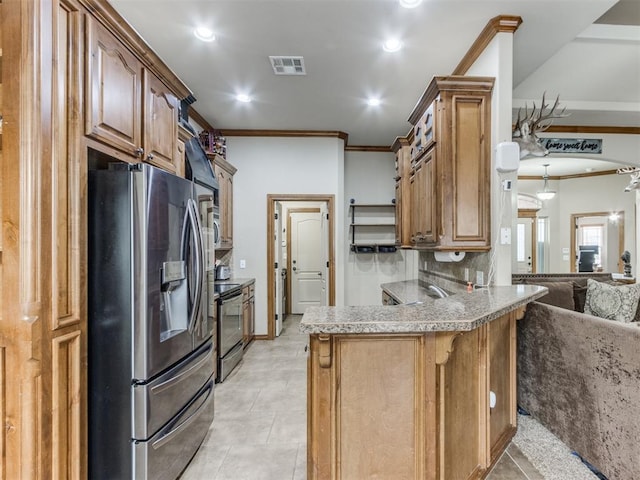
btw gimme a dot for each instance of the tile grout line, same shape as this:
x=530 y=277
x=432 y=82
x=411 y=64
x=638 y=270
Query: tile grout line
x=518 y=465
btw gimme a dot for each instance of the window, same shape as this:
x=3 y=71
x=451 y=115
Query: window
x=521 y=241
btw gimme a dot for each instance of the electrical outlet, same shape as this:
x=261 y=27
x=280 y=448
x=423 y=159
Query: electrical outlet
x=479 y=277
x=243 y=263
x=466 y=274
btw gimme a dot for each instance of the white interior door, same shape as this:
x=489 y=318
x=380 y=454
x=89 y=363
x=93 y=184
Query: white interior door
x=524 y=252
x=306 y=260
x=279 y=311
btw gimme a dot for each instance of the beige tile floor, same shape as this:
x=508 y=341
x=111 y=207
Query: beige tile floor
x=259 y=429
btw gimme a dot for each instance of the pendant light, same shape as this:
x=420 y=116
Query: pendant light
x=545 y=193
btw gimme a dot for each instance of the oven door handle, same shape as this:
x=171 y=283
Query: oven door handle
x=197 y=263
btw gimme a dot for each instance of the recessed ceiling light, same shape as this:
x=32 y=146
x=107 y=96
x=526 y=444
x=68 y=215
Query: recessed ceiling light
x=205 y=34
x=373 y=102
x=392 y=45
x=244 y=98
x=410 y=3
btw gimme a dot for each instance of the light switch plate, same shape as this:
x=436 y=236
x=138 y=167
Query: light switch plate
x=243 y=263
x=479 y=277
x=505 y=236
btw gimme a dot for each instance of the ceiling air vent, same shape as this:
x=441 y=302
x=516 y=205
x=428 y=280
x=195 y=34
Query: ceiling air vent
x=288 y=65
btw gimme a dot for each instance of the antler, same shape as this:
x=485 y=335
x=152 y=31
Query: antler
x=634 y=183
x=537 y=125
x=625 y=170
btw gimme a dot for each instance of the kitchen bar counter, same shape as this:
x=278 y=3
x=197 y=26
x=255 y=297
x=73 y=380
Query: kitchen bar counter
x=463 y=311
x=421 y=392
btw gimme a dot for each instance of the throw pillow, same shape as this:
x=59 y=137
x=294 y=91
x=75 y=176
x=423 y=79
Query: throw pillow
x=612 y=302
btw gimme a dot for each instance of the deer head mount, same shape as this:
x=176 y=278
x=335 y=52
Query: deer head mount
x=526 y=128
x=634 y=184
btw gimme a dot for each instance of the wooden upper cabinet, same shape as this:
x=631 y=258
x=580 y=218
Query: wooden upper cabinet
x=224 y=173
x=128 y=107
x=402 y=149
x=452 y=128
x=114 y=100
x=160 y=121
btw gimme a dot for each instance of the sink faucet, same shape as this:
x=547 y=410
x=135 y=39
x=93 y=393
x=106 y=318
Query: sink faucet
x=440 y=292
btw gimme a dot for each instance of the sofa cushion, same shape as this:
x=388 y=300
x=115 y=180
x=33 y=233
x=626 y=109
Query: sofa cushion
x=560 y=294
x=612 y=302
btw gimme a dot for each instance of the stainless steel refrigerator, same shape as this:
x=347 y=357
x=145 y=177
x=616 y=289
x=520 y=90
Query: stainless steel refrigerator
x=152 y=345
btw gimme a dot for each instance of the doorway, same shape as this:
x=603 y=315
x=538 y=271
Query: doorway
x=597 y=242
x=306 y=260
x=313 y=281
x=526 y=236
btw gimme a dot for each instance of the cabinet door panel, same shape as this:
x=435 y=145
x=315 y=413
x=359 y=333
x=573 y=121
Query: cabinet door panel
x=398 y=213
x=160 y=124
x=415 y=206
x=471 y=184
x=502 y=375
x=430 y=200
x=113 y=91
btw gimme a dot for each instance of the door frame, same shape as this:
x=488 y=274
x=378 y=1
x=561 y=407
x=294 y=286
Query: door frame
x=574 y=226
x=271 y=211
x=289 y=268
x=532 y=213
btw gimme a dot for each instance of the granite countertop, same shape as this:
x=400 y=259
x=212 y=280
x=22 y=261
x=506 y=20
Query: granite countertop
x=461 y=311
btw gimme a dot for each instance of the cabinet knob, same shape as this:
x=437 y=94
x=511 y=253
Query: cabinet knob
x=150 y=156
x=139 y=151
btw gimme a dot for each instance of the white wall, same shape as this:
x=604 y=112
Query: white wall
x=497 y=61
x=369 y=178
x=273 y=165
x=583 y=195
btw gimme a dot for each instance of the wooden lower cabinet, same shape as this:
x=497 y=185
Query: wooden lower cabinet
x=248 y=314
x=411 y=406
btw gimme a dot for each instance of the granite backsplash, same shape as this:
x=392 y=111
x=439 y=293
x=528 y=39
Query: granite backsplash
x=450 y=275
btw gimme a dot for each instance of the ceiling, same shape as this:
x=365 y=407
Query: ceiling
x=585 y=51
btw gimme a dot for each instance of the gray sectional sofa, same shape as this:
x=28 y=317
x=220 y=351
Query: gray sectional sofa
x=579 y=375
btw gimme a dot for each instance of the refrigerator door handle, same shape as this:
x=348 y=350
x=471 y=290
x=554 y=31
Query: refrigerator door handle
x=216 y=234
x=198 y=262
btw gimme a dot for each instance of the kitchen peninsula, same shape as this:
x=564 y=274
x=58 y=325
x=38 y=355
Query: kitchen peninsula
x=420 y=391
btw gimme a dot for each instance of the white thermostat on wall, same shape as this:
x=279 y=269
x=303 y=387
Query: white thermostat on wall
x=507 y=157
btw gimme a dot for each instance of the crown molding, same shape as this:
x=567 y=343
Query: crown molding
x=499 y=24
x=227 y=132
x=368 y=148
x=593 y=129
x=566 y=177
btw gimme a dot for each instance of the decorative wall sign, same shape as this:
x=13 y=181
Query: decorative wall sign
x=572 y=145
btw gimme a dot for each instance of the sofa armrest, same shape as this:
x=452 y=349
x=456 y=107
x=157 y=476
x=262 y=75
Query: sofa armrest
x=579 y=375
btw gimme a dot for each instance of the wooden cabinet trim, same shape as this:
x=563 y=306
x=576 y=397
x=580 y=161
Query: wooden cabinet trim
x=67 y=440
